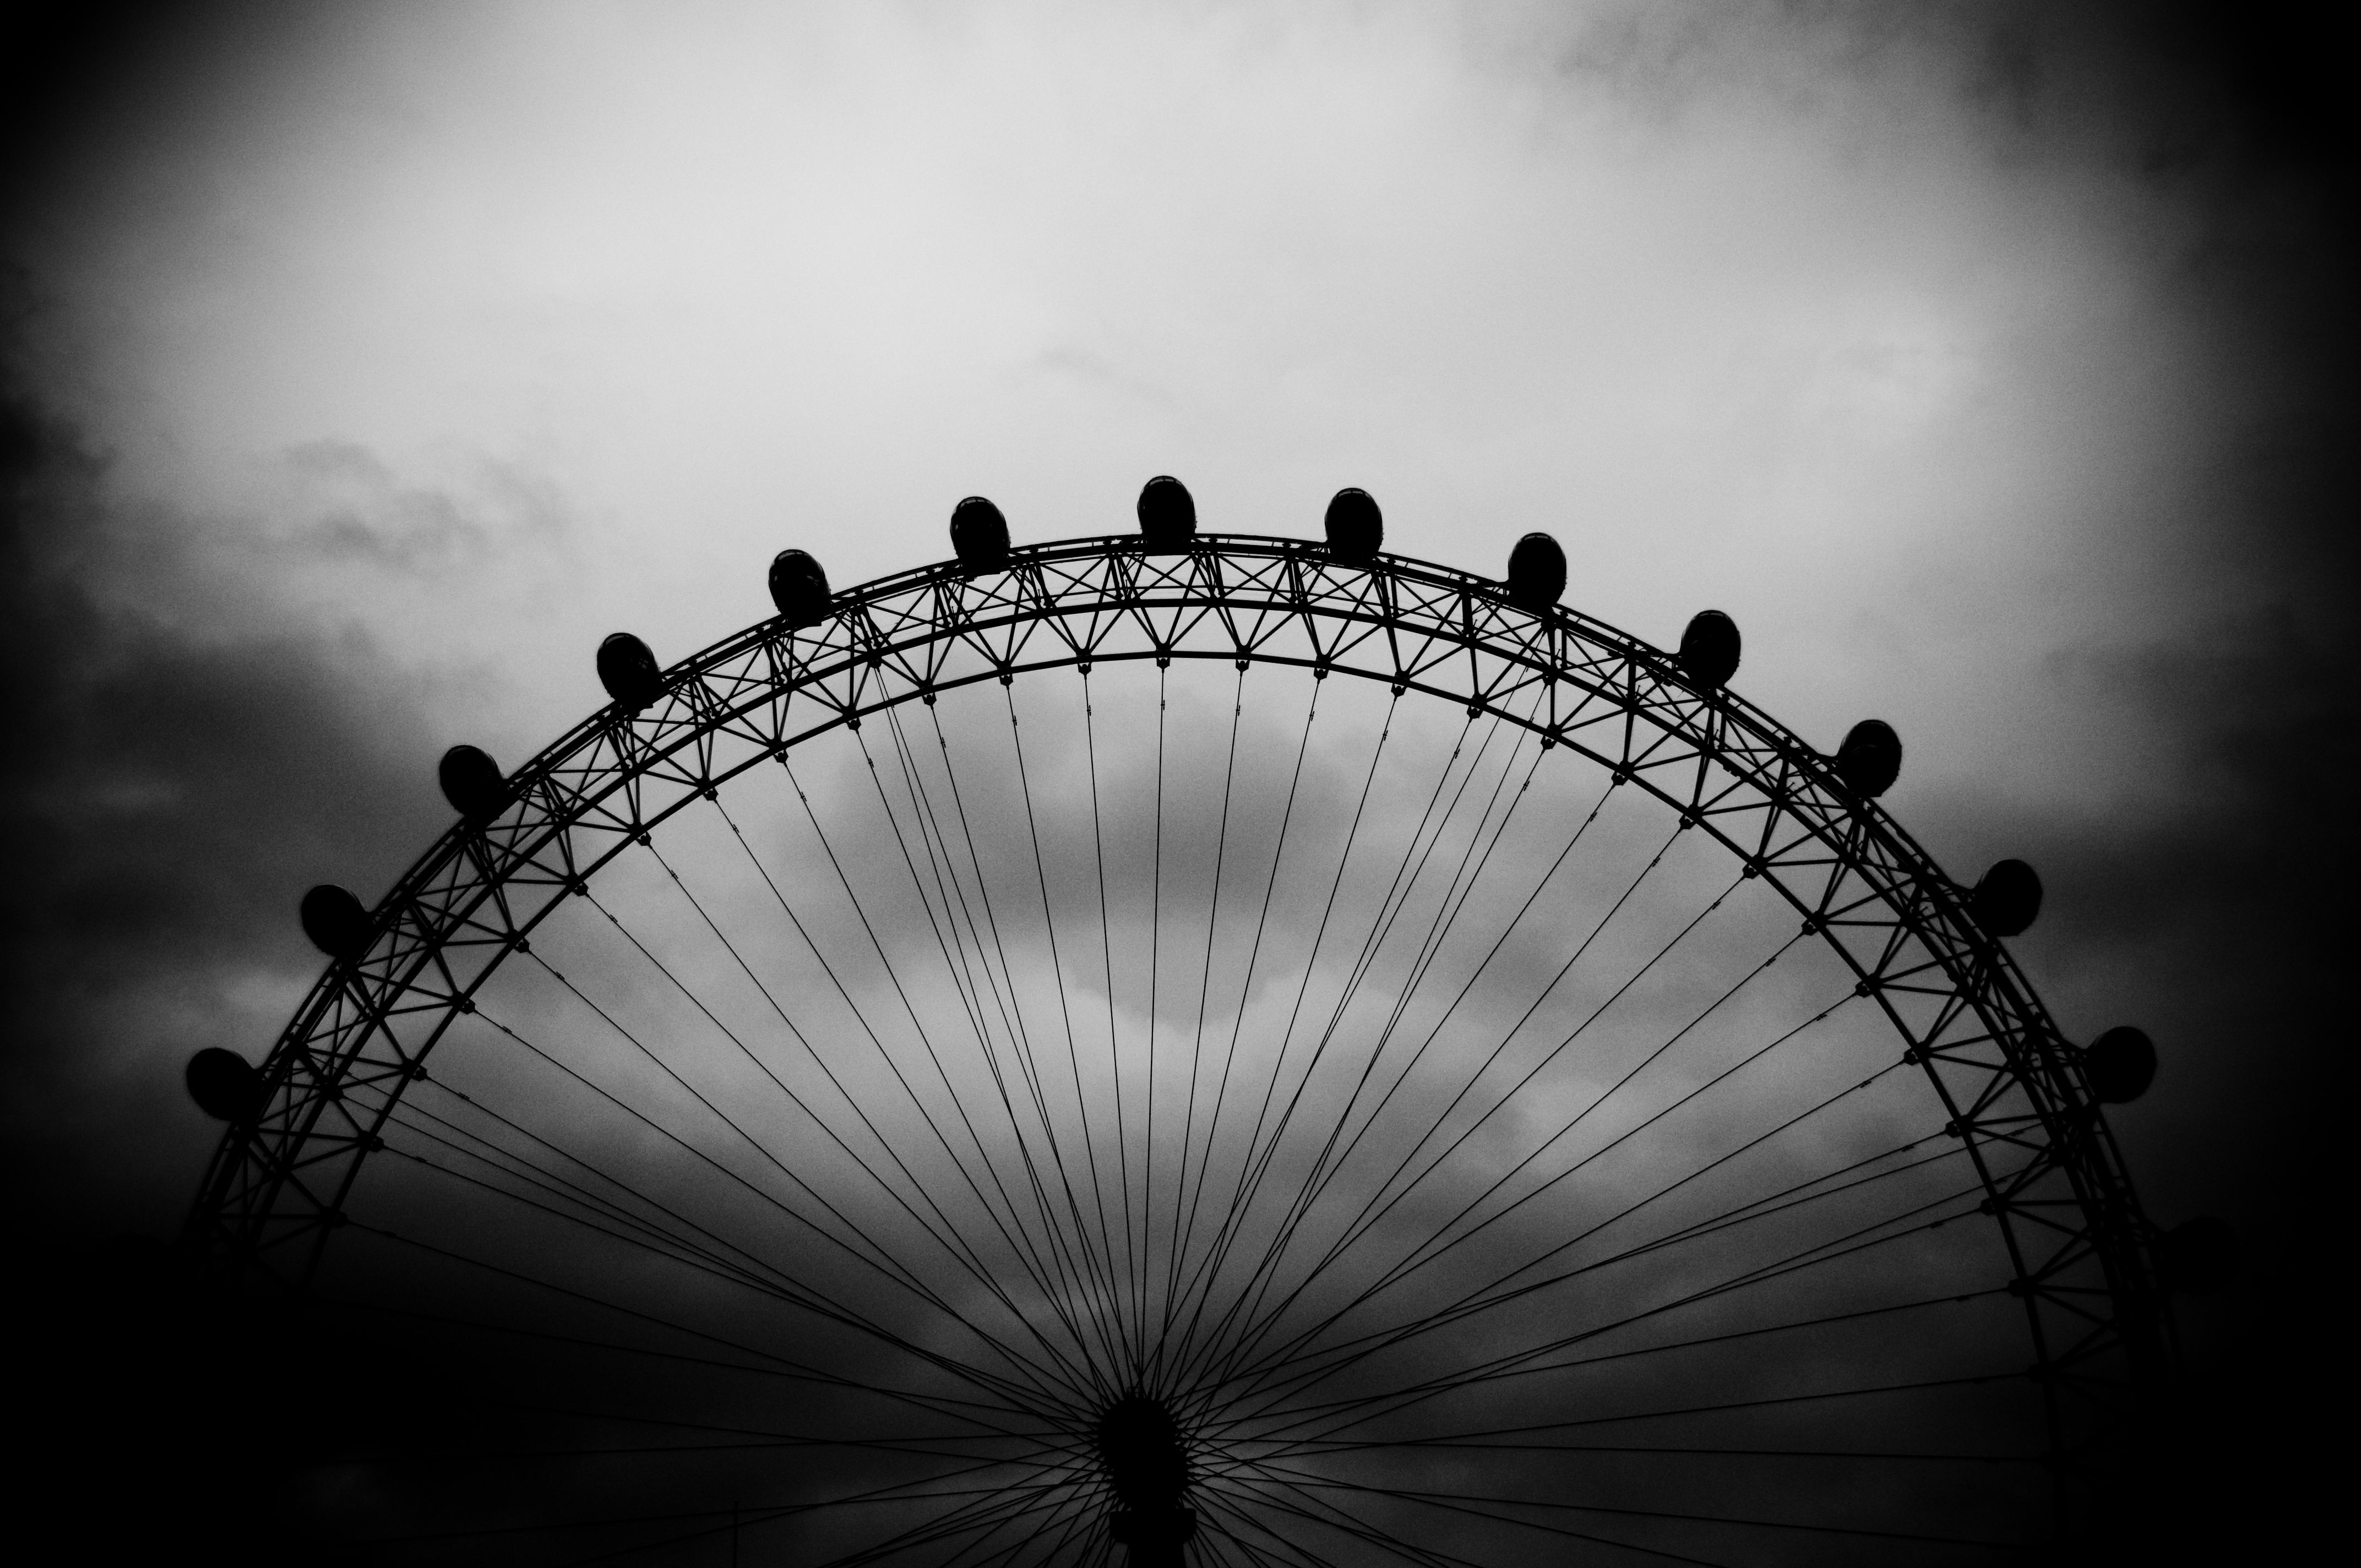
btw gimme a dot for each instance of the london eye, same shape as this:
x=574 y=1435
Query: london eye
x=1173 y=1045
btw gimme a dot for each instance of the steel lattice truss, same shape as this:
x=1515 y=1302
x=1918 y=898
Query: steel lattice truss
x=2013 y=1088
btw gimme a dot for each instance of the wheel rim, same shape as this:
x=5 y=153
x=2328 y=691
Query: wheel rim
x=2058 y=1218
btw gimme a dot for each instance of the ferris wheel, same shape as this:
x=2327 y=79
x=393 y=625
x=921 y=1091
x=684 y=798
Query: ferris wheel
x=1192 y=1047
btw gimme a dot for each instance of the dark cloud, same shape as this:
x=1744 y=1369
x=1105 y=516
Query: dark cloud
x=186 y=756
x=59 y=63
x=2209 y=910
x=2260 y=81
x=2265 y=714
x=2209 y=907
x=172 y=791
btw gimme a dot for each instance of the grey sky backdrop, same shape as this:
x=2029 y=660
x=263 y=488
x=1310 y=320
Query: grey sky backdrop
x=367 y=363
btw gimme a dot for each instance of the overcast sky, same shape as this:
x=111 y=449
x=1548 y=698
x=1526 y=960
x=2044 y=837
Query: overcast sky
x=367 y=364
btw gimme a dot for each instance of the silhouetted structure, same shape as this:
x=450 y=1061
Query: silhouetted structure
x=1035 y=1228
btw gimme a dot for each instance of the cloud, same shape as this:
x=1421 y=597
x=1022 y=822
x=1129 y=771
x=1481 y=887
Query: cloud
x=174 y=787
x=2202 y=902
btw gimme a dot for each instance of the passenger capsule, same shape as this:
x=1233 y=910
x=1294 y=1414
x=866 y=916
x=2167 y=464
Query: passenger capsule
x=2008 y=898
x=1536 y=573
x=1356 y=529
x=335 y=922
x=472 y=785
x=226 y=1086
x=629 y=671
x=1871 y=758
x=1167 y=513
x=1709 y=649
x=2122 y=1064
x=799 y=587
x=979 y=535
x=2198 y=1257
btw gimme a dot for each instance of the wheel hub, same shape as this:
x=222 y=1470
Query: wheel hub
x=1147 y=1464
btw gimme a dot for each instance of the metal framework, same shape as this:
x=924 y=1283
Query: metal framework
x=2011 y=1085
